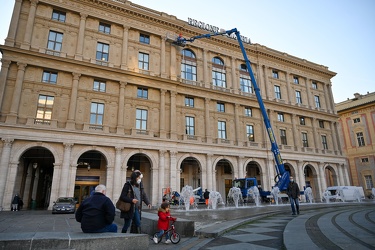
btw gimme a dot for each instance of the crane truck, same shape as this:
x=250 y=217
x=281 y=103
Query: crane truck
x=282 y=176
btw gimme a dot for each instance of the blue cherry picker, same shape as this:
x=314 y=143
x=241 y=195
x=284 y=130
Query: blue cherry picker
x=282 y=176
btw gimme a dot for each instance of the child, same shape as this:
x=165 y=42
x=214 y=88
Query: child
x=163 y=222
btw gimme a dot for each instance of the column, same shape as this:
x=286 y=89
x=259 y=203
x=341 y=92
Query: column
x=175 y=182
x=315 y=135
x=162 y=57
x=295 y=134
x=334 y=136
x=3 y=78
x=13 y=113
x=81 y=37
x=162 y=114
x=209 y=184
x=73 y=102
x=4 y=166
x=326 y=98
x=345 y=174
x=161 y=183
x=110 y=181
x=332 y=101
x=121 y=106
x=124 y=52
x=207 y=120
x=173 y=63
x=173 y=134
x=65 y=169
x=308 y=91
x=289 y=89
x=29 y=25
x=10 y=185
x=265 y=88
x=117 y=187
x=240 y=167
x=237 y=124
x=323 y=183
x=55 y=183
x=270 y=163
x=234 y=86
x=11 y=38
x=206 y=81
x=341 y=175
x=301 y=174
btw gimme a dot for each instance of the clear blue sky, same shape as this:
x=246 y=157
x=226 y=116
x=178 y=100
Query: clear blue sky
x=339 y=34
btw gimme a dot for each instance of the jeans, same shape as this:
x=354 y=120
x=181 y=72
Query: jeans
x=160 y=234
x=296 y=201
x=111 y=228
x=128 y=222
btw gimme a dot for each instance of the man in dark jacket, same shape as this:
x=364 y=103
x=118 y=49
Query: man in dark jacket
x=97 y=212
x=293 y=193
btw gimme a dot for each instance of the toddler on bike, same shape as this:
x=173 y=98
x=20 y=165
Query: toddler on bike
x=163 y=222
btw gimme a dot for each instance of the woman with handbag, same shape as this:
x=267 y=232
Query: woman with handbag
x=133 y=193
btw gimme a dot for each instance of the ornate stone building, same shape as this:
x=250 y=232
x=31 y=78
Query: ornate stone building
x=92 y=89
x=357 y=130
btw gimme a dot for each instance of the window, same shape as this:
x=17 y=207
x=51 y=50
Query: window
x=280 y=117
x=357 y=120
x=218 y=73
x=104 y=28
x=283 y=137
x=317 y=101
x=360 y=139
x=364 y=160
x=275 y=74
x=277 y=92
x=369 y=183
x=49 y=76
x=246 y=85
x=188 y=65
x=102 y=52
x=220 y=107
x=324 y=142
x=296 y=79
x=96 y=113
x=141 y=119
x=58 y=16
x=44 y=109
x=190 y=125
x=221 y=129
x=298 y=97
x=305 y=142
x=302 y=121
x=248 y=112
x=314 y=85
x=144 y=38
x=321 y=124
x=142 y=93
x=143 y=61
x=189 y=101
x=250 y=132
x=54 y=41
x=99 y=86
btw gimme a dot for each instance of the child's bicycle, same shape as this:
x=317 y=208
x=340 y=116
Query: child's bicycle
x=174 y=236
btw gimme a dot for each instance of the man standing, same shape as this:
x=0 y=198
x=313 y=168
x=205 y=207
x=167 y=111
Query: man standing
x=206 y=196
x=97 y=212
x=293 y=193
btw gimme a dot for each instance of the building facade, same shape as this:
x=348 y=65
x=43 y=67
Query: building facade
x=93 y=89
x=357 y=130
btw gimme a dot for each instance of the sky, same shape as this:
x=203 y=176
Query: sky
x=339 y=34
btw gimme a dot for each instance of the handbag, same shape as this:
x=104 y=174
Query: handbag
x=122 y=205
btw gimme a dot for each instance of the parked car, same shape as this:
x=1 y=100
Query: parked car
x=64 y=205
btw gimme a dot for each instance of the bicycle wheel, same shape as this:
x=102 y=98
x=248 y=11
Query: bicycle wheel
x=175 y=237
x=156 y=236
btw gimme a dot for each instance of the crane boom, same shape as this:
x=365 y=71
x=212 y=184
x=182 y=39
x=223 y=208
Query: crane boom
x=282 y=177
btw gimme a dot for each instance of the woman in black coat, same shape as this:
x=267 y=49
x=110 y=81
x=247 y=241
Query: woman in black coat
x=136 y=196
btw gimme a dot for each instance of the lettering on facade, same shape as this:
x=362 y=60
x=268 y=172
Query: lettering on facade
x=214 y=29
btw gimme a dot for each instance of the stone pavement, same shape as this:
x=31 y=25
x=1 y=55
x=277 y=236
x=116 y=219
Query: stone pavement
x=319 y=226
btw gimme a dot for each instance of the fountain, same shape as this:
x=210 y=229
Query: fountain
x=357 y=195
x=326 y=196
x=308 y=195
x=187 y=194
x=214 y=199
x=235 y=195
x=373 y=192
x=275 y=193
x=253 y=193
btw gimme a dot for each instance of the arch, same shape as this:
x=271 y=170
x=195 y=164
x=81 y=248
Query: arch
x=23 y=149
x=188 y=53
x=139 y=151
x=217 y=60
x=77 y=154
x=330 y=174
x=224 y=175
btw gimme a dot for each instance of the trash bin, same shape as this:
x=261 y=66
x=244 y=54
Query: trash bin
x=33 y=204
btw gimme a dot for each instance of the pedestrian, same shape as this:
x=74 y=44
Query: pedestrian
x=206 y=196
x=163 y=222
x=137 y=196
x=15 y=202
x=293 y=193
x=97 y=212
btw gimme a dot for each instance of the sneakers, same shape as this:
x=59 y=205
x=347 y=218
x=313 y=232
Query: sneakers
x=156 y=240
x=167 y=241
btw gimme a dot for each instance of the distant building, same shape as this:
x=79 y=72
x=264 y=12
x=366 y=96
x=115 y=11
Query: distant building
x=91 y=90
x=357 y=122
